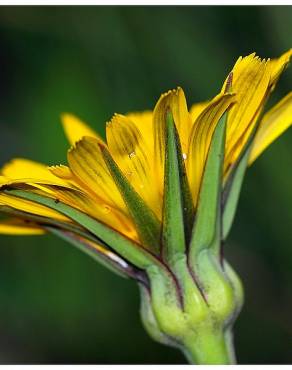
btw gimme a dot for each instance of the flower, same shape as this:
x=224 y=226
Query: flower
x=159 y=193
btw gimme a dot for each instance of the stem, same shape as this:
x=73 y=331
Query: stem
x=210 y=348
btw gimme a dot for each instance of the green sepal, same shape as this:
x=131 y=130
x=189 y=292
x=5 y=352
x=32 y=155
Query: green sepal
x=108 y=259
x=147 y=224
x=231 y=194
x=238 y=290
x=206 y=230
x=126 y=248
x=166 y=301
x=233 y=186
x=149 y=320
x=177 y=203
x=216 y=285
x=177 y=315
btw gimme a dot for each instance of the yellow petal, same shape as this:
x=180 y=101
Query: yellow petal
x=75 y=129
x=273 y=124
x=87 y=164
x=181 y=116
x=29 y=172
x=200 y=139
x=97 y=209
x=61 y=171
x=251 y=77
x=22 y=167
x=129 y=150
x=74 y=197
x=159 y=117
x=196 y=109
x=18 y=227
x=174 y=101
x=35 y=185
x=30 y=207
x=144 y=123
x=65 y=173
x=17 y=171
x=82 y=199
x=278 y=65
x=4 y=181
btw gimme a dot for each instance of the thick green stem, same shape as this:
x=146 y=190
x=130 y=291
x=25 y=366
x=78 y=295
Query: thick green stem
x=209 y=348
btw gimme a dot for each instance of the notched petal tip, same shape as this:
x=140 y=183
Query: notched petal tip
x=79 y=143
x=116 y=118
x=170 y=92
x=246 y=60
x=163 y=95
x=61 y=171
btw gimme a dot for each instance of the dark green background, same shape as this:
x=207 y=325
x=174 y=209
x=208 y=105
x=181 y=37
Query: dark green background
x=56 y=304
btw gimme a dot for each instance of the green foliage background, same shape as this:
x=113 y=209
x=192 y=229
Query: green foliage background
x=56 y=304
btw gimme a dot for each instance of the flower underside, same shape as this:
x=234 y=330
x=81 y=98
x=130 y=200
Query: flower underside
x=118 y=196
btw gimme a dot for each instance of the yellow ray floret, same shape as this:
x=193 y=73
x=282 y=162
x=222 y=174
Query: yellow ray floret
x=136 y=142
x=277 y=66
x=201 y=136
x=143 y=121
x=251 y=77
x=86 y=162
x=273 y=124
x=75 y=129
x=16 y=226
x=20 y=168
x=130 y=151
x=30 y=207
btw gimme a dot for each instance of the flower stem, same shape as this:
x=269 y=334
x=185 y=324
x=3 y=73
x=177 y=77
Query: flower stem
x=209 y=348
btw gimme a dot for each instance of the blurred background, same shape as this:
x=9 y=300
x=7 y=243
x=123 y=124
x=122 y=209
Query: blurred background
x=56 y=304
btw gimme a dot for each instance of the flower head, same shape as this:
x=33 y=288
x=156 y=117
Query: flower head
x=158 y=193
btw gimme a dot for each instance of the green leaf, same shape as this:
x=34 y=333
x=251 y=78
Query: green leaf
x=206 y=231
x=178 y=205
x=126 y=248
x=147 y=224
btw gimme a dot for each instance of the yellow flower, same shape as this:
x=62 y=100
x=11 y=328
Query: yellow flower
x=136 y=143
x=157 y=198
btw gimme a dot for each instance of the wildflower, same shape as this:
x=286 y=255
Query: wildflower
x=155 y=201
